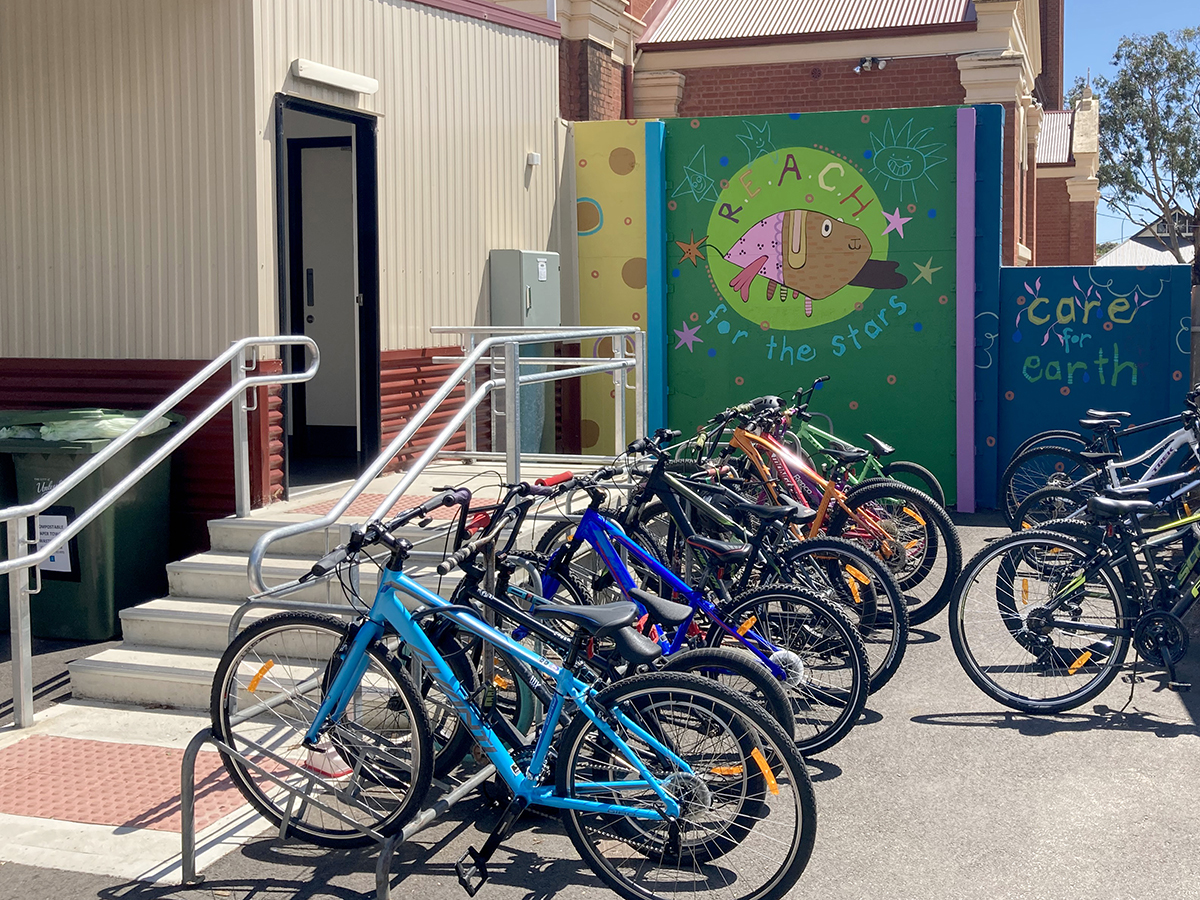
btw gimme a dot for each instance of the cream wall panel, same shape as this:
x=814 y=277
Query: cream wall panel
x=127 y=215
x=461 y=102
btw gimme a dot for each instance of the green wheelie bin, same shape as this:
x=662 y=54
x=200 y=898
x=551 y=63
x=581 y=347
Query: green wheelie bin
x=119 y=560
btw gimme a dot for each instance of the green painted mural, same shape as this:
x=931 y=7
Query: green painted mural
x=816 y=244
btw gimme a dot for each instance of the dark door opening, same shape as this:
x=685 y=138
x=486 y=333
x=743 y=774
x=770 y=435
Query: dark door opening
x=329 y=286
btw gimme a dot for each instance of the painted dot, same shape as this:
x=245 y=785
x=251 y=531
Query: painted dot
x=1177 y=375
x=891 y=379
x=628 y=220
x=990 y=441
x=637 y=317
x=867 y=154
x=695 y=123
x=632 y=121
x=633 y=273
x=1016 y=337
x=866 y=119
x=933 y=214
x=588 y=216
x=764 y=325
x=854 y=404
x=916 y=326
x=795 y=116
x=595 y=274
x=858 y=306
x=1060 y=467
x=1021 y=300
x=674 y=273
x=613 y=393
x=583 y=164
x=712 y=351
x=1008 y=395
x=739 y=381
x=943 y=299
x=622 y=161
x=724 y=160
x=672 y=205
x=1108 y=326
x=589 y=433
x=912 y=207
x=1086 y=377
x=1064 y=390
x=695 y=317
x=808 y=198
x=724 y=183
x=723 y=328
x=820 y=384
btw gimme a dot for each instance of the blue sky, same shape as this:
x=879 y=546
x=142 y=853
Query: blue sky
x=1092 y=30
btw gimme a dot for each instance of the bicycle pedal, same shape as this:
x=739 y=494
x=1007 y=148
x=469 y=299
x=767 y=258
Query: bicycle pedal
x=1179 y=687
x=1132 y=679
x=473 y=876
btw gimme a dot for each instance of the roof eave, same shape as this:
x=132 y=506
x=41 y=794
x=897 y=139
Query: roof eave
x=812 y=37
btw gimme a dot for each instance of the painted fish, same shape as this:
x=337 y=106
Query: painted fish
x=810 y=254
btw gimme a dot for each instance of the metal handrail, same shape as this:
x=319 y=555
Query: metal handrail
x=511 y=340
x=191 y=427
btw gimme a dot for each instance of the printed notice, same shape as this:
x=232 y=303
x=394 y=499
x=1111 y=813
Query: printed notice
x=48 y=528
x=541 y=270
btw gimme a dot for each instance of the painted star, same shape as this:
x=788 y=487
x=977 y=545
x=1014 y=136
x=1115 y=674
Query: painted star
x=691 y=248
x=687 y=336
x=696 y=181
x=926 y=270
x=896 y=222
x=757 y=141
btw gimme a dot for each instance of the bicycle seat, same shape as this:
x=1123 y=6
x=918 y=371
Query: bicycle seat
x=1105 y=414
x=635 y=647
x=600 y=621
x=1126 y=492
x=1099 y=456
x=792 y=512
x=1099 y=424
x=661 y=610
x=1106 y=508
x=847 y=456
x=881 y=448
x=722 y=551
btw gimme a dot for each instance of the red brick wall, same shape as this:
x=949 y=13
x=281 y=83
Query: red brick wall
x=815 y=87
x=591 y=86
x=1054 y=223
x=1083 y=234
x=1050 y=82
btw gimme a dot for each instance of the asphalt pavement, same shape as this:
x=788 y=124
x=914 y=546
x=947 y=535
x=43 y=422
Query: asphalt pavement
x=938 y=794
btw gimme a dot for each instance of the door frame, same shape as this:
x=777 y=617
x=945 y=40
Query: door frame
x=366 y=170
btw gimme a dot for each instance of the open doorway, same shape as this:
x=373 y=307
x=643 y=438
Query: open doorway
x=329 y=278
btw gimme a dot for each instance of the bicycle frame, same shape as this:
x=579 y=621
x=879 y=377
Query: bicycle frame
x=387 y=609
x=818 y=439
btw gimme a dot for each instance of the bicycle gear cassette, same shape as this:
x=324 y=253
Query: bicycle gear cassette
x=1167 y=626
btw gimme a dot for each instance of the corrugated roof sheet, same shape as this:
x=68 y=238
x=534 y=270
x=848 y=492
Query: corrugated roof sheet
x=708 y=20
x=1144 y=252
x=1054 y=143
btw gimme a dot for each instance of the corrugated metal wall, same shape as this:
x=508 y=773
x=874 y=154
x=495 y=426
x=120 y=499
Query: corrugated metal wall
x=127 y=218
x=461 y=103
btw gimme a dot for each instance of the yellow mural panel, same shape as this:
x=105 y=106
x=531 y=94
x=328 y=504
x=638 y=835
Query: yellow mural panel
x=610 y=183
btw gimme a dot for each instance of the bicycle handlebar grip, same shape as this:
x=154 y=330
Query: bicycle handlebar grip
x=822 y=379
x=329 y=561
x=637 y=446
x=456 y=559
x=536 y=490
x=554 y=479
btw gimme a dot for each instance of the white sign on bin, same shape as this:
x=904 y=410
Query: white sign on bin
x=48 y=528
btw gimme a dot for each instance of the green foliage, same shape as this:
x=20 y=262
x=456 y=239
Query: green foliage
x=1150 y=129
x=1104 y=246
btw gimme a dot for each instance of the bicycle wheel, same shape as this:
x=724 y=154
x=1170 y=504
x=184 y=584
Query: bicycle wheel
x=921 y=546
x=1039 y=467
x=852 y=577
x=739 y=671
x=915 y=475
x=1055 y=436
x=819 y=649
x=748 y=817
x=1019 y=652
x=373 y=767
x=1047 y=504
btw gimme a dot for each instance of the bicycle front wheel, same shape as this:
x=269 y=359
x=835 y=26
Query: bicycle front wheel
x=1024 y=617
x=747 y=816
x=371 y=769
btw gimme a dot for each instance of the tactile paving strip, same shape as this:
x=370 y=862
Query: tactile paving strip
x=103 y=783
x=366 y=503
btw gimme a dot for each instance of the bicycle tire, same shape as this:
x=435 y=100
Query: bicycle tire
x=1039 y=467
x=920 y=478
x=1046 y=669
x=748 y=818
x=820 y=650
x=1056 y=436
x=1048 y=504
x=882 y=617
x=924 y=541
x=741 y=672
x=383 y=738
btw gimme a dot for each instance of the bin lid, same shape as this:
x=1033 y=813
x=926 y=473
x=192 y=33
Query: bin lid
x=70 y=430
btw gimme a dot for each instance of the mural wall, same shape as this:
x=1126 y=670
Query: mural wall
x=1068 y=338
x=610 y=184
x=816 y=244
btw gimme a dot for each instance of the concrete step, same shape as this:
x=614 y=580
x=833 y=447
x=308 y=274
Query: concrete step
x=156 y=677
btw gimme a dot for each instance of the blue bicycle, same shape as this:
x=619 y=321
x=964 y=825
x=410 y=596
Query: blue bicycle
x=667 y=783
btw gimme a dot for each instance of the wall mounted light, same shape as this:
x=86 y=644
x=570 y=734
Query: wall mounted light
x=867 y=63
x=341 y=79
x=533 y=159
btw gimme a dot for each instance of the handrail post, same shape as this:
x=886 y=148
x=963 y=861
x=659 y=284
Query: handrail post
x=20 y=637
x=640 y=389
x=618 y=345
x=512 y=410
x=472 y=429
x=241 y=439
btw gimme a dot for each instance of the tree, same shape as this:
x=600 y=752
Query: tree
x=1150 y=131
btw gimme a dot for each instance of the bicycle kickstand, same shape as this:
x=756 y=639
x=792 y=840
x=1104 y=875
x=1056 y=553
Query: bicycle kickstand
x=472 y=875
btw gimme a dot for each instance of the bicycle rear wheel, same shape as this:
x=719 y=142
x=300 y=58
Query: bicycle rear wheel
x=1014 y=646
x=740 y=671
x=1036 y=468
x=747 y=813
x=373 y=767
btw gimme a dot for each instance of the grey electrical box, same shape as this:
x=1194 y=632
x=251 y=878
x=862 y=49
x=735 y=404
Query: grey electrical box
x=525 y=294
x=525 y=289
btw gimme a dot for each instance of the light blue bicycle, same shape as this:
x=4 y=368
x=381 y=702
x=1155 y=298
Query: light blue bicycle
x=668 y=784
